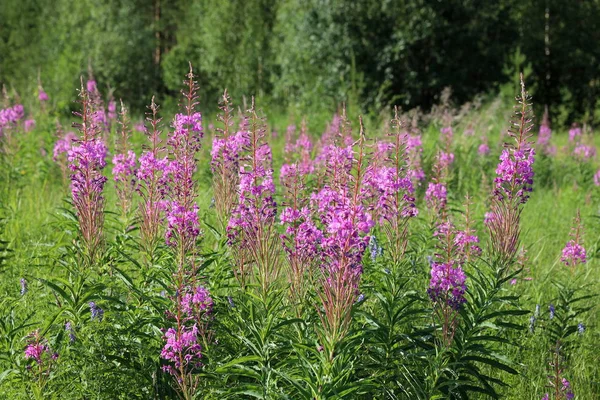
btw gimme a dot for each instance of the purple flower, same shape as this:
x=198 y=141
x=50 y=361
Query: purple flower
x=42 y=96
x=112 y=109
x=580 y=328
x=29 y=124
x=573 y=254
x=91 y=86
x=446 y=159
x=63 y=145
x=584 y=152
x=23 y=286
x=97 y=312
x=196 y=302
x=574 y=133
x=124 y=167
x=181 y=347
x=515 y=174
x=35 y=351
x=483 y=149
x=447 y=284
x=69 y=329
x=552 y=311
x=436 y=196
x=181 y=210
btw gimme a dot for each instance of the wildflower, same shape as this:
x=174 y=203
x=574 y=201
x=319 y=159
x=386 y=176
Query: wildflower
x=29 y=124
x=552 y=311
x=112 y=109
x=181 y=348
x=597 y=178
x=91 y=86
x=97 y=312
x=42 y=95
x=184 y=142
x=374 y=248
x=580 y=328
x=86 y=161
x=23 y=286
x=196 y=301
x=584 y=152
x=446 y=159
x=513 y=183
x=447 y=284
x=574 y=253
x=124 y=165
x=483 y=149
x=230 y=300
x=574 y=133
x=253 y=218
x=532 y=321
x=69 y=329
x=37 y=349
x=515 y=174
x=227 y=147
x=488 y=218
x=150 y=183
x=436 y=196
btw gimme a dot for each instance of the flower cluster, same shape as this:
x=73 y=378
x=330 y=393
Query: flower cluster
x=182 y=213
x=574 y=133
x=150 y=184
x=301 y=238
x=436 y=196
x=545 y=135
x=11 y=115
x=38 y=350
x=227 y=147
x=584 y=152
x=182 y=349
x=447 y=284
x=42 y=95
x=414 y=148
x=483 y=149
x=23 y=286
x=124 y=167
x=515 y=174
x=574 y=253
x=96 y=312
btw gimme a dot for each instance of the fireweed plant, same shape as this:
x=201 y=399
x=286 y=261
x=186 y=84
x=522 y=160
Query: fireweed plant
x=251 y=230
x=152 y=165
x=124 y=164
x=87 y=158
x=192 y=303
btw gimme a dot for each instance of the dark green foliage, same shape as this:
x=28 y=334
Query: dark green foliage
x=311 y=54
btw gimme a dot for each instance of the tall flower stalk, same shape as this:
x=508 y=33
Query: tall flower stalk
x=393 y=191
x=183 y=349
x=41 y=362
x=346 y=223
x=153 y=163
x=574 y=253
x=513 y=182
x=226 y=148
x=124 y=166
x=301 y=239
x=251 y=230
x=86 y=160
x=447 y=286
